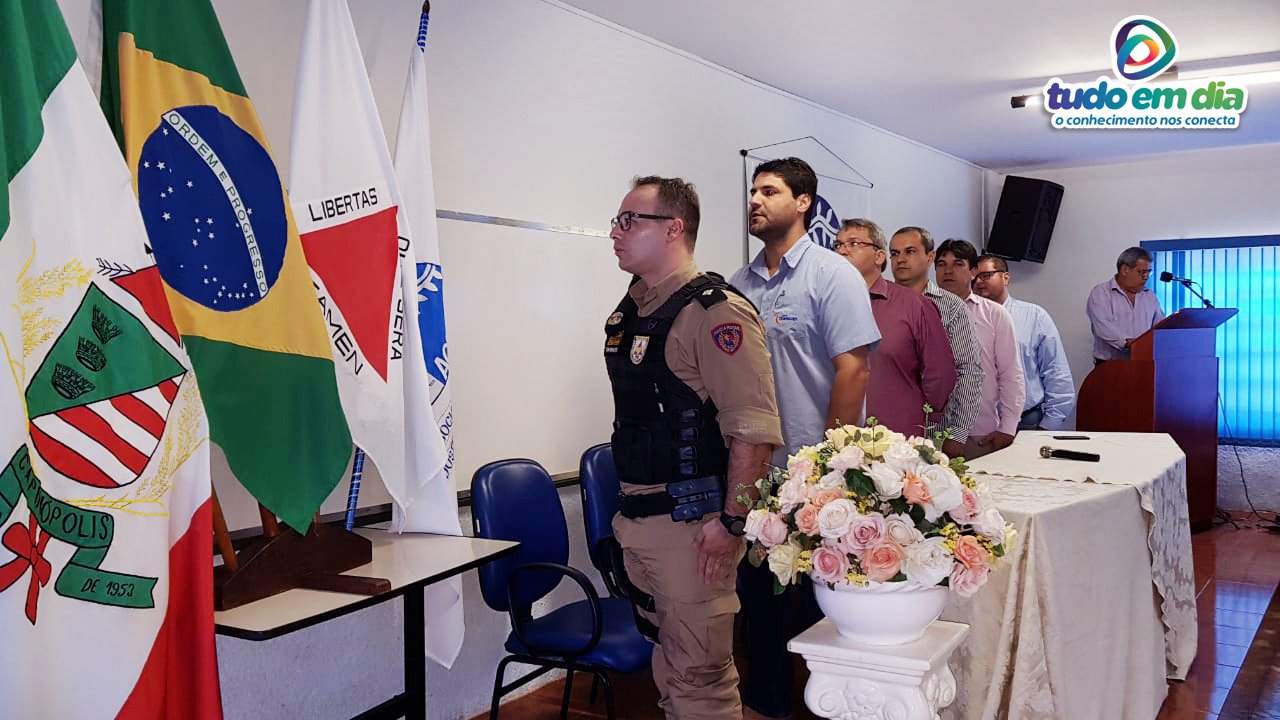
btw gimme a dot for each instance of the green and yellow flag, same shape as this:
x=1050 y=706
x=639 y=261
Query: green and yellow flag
x=228 y=251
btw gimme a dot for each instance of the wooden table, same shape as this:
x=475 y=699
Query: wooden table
x=410 y=562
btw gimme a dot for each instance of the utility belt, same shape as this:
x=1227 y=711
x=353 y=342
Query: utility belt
x=684 y=500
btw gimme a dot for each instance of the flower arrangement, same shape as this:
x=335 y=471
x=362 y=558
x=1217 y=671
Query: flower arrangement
x=869 y=505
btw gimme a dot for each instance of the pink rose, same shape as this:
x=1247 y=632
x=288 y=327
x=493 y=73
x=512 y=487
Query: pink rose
x=773 y=531
x=807 y=519
x=965 y=582
x=969 y=508
x=882 y=561
x=915 y=491
x=829 y=565
x=822 y=497
x=865 y=531
x=970 y=553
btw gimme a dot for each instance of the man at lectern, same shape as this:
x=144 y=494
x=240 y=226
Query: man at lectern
x=1122 y=308
x=695 y=421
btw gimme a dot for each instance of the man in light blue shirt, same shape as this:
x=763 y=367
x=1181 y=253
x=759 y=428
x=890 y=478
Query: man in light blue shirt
x=1051 y=394
x=820 y=331
x=815 y=308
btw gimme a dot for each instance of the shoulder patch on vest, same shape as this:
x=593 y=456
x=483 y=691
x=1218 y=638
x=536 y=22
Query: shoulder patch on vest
x=728 y=337
x=711 y=296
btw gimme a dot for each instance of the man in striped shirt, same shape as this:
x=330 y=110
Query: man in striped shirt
x=911 y=253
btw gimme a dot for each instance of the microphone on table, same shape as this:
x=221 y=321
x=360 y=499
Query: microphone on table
x=1048 y=452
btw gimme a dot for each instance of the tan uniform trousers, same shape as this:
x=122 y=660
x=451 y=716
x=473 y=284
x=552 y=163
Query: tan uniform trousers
x=693 y=662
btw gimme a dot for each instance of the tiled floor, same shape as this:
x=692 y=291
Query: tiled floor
x=1236 y=675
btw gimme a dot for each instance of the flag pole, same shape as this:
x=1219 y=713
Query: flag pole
x=222 y=536
x=353 y=495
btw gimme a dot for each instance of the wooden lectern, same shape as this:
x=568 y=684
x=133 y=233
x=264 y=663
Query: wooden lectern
x=1170 y=385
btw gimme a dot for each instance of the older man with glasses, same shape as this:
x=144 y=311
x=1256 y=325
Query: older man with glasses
x=913 y=365
x=1122 y=308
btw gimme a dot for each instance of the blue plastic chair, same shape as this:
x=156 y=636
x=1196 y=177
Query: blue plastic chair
x=598 y=480
x=517 y=500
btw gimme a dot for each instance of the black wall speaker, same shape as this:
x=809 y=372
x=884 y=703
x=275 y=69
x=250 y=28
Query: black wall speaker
x=1024 y=219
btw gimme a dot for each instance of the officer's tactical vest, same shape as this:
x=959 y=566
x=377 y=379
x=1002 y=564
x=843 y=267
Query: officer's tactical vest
x=662 y=431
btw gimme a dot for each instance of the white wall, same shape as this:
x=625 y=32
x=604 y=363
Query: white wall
x=538 y=113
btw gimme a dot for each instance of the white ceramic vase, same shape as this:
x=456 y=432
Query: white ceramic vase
x=882 y=613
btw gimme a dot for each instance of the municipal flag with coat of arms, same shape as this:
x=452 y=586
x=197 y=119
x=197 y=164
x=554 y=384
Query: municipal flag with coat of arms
x=105 y=511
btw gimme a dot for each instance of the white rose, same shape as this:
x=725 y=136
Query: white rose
x=839 y=437
x=888 y=480
x=791 y=493
x=1010 y=540
x=833 y=479
x=944 y=487
x=902 y=529
x=782 y=562
x=902 y=456
x=800 y=468
x=849 y=457
x=989 y=524
x=927 y=562
x=835 y=518
x=755 y=519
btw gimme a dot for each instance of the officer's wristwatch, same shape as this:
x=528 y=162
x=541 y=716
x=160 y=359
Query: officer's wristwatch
x=737 y=526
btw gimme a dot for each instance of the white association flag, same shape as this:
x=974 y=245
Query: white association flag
x=418 y=198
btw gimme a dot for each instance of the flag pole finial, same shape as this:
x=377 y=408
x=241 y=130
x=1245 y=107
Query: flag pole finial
x=426 y=6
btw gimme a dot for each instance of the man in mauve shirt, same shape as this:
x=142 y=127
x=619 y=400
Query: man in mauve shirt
x=913 y=365
x=1122 y=308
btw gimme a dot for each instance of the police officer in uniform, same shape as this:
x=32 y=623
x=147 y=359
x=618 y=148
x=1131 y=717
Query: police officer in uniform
x=695 y=423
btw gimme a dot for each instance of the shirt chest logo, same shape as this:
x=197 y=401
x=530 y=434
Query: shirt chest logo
x=614 y=319
x=639 y=344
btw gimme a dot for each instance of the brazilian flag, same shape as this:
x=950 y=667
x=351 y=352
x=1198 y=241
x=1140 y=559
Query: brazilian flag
x=224 y=239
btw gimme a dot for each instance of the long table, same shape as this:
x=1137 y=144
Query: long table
x=1095 y=608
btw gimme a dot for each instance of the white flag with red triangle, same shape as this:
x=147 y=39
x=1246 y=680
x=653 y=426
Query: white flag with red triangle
x=361 y=254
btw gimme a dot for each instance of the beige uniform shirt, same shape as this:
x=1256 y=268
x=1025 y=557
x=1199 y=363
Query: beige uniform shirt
x=738 y=379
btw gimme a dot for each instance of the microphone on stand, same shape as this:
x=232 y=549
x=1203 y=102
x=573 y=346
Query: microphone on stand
x=1167 y=276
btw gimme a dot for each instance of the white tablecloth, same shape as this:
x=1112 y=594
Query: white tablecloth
x=1096 y=605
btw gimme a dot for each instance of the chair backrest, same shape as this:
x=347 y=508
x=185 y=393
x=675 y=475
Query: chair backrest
x=599 y=481
x=517 y=500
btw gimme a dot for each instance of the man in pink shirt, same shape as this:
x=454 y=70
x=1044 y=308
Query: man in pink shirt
x=1004 y=387
x=913 y=365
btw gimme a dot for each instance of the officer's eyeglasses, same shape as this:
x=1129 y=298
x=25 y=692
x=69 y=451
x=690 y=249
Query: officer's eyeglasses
x=988 y=274
x=623 y=221
x=838 y=246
